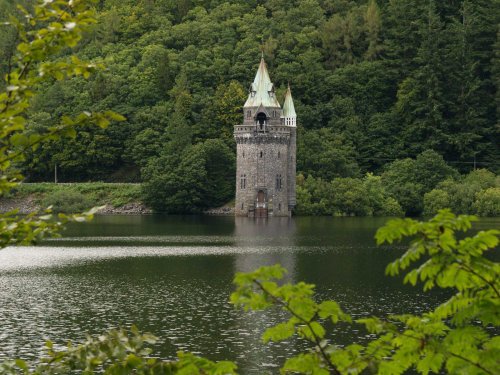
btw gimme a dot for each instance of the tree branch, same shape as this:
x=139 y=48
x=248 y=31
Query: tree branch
x=316 y=341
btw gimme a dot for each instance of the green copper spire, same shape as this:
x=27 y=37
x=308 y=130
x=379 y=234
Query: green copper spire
x=262 y=89
x=288 y=107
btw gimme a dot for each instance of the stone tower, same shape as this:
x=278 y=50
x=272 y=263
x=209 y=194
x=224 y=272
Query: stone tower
x=266 y=152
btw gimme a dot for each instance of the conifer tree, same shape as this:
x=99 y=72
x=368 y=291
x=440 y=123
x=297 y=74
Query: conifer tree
x=465 y=107
x=420 y=102
x=373 y=27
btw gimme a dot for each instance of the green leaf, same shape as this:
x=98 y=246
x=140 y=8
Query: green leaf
x=430 y=362
x=19 y=140
x=115 y=116
x=279 y=332
x=22 y=364
x=315 y=331
x=133 y=361
x=305 y=364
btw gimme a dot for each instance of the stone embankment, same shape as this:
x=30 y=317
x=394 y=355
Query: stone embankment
x=27 y=205
x=221 y=211
x=134 y=208
x=23 y=205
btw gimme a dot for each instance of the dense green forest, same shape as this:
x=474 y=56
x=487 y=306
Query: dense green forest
x=375 y=83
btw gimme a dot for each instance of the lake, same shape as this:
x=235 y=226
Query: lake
x=172 y=276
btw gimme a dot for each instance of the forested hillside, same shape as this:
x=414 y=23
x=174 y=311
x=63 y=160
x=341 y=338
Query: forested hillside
x=373 y=81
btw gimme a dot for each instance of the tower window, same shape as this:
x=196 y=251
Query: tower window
x=241 y=205
x=278 y=182
x=279 y=154
x=243 y=181
x=249 y=114
x=261 y=119
x=279 y=207
x=261 y=153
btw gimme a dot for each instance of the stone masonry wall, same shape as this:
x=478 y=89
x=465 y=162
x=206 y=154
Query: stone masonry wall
x=262 y=157
x=292 y=169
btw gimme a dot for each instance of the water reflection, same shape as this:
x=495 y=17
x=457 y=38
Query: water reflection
x=278 y=236
x=275 y=235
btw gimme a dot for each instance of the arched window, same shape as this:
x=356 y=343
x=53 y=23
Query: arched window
x=261 y=120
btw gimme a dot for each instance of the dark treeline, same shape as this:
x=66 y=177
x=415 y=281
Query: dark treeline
x=373 y=82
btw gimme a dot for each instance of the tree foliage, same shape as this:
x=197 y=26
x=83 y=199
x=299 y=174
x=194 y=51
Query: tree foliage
x=465 y=194
x=199 y=178
x=117 y=352
x=375 y=81
x=50 y=28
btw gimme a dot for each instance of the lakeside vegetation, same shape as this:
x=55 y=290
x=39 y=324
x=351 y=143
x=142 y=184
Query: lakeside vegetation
x=78 y=197
x=411 y=187
x=420 y=193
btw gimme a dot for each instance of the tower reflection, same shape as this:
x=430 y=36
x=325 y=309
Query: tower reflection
x=266 y=242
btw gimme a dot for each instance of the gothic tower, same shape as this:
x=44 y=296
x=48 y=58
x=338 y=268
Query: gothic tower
x=266 y=151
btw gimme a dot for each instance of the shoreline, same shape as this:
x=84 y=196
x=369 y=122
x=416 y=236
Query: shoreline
x=30 y=204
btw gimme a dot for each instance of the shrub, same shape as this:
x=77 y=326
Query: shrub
x=488 y=202
x=407 y=180
x=465 y=189
x=67 y=201
x=435 y=200
x=391 y=207
x=345 y=197
x=349 y=197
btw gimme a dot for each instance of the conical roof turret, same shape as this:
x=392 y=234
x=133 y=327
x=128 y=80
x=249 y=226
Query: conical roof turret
x=288 y=107
x=262 y=89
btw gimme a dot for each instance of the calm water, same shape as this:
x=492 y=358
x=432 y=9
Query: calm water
x=172 y=276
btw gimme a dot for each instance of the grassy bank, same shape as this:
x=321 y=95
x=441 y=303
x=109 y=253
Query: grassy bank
x=74 y=197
